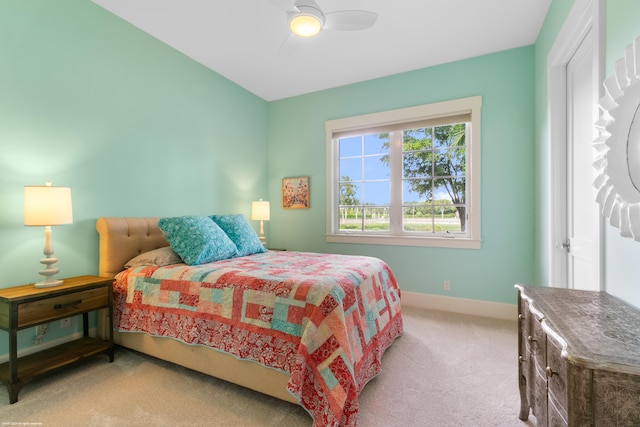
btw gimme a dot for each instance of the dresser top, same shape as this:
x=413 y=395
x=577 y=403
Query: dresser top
x=599 y=330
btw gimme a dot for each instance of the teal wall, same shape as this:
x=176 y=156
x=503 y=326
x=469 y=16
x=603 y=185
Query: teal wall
x=505 y=81
x=621 y=266
x=131 y=125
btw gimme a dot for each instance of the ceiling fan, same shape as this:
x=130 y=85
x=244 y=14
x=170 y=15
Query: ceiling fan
x=306 y=18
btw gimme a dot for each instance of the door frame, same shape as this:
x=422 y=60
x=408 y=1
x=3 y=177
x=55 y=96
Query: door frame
x=585 y=16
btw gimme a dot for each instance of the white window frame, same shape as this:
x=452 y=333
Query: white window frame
x=472 y=238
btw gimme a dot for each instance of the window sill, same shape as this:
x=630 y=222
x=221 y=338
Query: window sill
x=434 y=242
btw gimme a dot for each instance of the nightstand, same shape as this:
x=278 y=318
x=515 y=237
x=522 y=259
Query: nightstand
x=26 y=306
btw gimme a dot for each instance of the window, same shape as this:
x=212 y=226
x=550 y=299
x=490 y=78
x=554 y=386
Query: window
x=406 y=177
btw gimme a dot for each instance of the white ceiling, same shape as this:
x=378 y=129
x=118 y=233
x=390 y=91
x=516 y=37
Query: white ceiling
x=248 y=41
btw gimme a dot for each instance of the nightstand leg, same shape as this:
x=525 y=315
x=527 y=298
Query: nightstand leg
x=14 y=390
x=110 y=323
x=13 y=386
x=85 y=324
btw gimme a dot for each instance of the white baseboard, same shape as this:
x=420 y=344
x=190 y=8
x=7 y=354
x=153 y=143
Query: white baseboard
x=460 y=305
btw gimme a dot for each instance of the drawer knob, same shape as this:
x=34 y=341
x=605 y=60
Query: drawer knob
x=550 y=372
x=69 y=304
x=521 y=359
x=530 y=339
x=520 y=316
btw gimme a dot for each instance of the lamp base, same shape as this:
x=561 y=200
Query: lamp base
x=48 y=283
x=48 y=273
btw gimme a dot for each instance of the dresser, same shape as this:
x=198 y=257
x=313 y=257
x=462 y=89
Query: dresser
x=579 y=358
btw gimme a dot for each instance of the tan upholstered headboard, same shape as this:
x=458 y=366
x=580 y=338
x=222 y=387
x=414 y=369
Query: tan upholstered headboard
x=123 y=238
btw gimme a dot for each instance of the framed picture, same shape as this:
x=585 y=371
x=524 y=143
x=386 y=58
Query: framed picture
x=295 y=192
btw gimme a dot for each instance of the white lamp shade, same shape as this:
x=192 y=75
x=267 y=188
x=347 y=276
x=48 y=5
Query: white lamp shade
x=46 y=205
x=260 y=211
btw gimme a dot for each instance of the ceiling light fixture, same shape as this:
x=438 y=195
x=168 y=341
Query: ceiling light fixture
x=306 y=23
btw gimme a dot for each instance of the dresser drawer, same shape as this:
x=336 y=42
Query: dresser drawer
x=538 y=397
x=524 y=318
x=537 y=341
x=60 y=306
x=557 y=376
x=556 y=416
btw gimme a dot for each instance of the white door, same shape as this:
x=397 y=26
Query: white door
x=582 y=209
x=574 y=70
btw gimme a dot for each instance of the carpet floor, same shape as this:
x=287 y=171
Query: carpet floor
x=446 y=369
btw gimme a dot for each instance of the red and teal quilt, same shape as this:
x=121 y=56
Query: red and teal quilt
x=324 y=319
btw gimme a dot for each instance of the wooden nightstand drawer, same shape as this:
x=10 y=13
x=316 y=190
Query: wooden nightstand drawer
x=39 y=311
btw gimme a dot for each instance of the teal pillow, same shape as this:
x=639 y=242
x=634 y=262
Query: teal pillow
x=241 y=233
x=197 y=239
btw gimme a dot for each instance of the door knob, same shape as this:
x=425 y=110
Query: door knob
x=566 y=245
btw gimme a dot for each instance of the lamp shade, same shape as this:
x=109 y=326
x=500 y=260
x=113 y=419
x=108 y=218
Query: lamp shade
x=260 y=211
x=47 y=205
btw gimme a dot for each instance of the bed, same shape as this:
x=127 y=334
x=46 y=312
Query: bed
x=307 y=328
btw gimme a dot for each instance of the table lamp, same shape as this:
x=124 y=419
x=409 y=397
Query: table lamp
x=260 y=212
x=45 y=205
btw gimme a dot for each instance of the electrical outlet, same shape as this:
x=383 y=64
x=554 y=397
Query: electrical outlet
x=446 y=285
x=41 y=330
x=65 y=323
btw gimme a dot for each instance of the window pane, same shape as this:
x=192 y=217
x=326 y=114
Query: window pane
x=417 y=164
x=411 y=191
x=376 y=168
x=350 y=219
x=351 y=146
x=376 y=219
x=376 y=193
x=417 y=139
x=376 y=144
x=450 y=135
x=350 y=194
x=417 y=218
x=451 y=162
x=351 y=169
x=450 y=189
x=447 y=219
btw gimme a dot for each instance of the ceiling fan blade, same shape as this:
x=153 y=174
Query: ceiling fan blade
x=350 y=20
x=283 y=4
x=288 y=46
x=309 y=3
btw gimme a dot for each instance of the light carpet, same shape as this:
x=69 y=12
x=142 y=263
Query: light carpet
x=446 y=369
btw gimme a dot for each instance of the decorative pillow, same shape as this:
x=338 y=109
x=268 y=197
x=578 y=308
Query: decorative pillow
x=197 y=239
x=240 y=232
x=157 y=257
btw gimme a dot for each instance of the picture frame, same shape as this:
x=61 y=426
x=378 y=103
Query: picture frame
x=296 y=193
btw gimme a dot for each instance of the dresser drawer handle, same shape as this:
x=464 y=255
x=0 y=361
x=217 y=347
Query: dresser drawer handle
x=69 y=304
x=550 y=372
x=521 y=359
x=530 y=339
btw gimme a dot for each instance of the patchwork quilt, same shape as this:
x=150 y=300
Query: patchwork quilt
x=324 y=319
